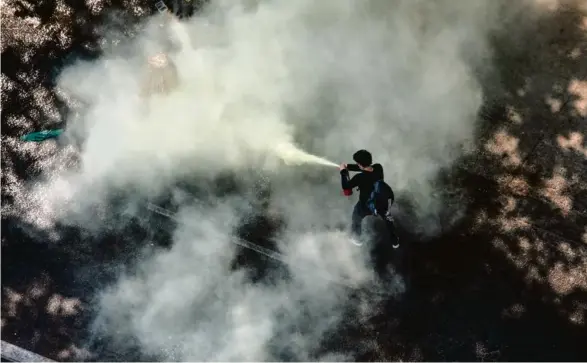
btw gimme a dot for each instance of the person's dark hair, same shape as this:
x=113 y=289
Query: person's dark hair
x=363 y=158
x=378 y=171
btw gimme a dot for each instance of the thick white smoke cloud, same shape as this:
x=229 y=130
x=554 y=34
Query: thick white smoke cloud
x=337 y=75
x=332 y=75
x=186 y=303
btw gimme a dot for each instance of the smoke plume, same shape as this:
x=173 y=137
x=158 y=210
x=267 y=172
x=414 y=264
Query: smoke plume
x=231 y=88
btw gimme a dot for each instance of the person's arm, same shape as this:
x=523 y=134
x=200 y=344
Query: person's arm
x=346 y=181
x=353 y=167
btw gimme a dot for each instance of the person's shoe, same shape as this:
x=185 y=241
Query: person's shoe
x=356 y=241
x=395 y=245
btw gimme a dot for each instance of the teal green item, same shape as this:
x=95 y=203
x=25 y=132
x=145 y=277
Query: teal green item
x=42 y=135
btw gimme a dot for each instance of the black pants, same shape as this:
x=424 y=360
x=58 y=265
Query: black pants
x=360 y=211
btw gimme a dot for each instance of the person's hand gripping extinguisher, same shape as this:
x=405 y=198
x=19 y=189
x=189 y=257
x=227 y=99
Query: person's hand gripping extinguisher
x=345 y=192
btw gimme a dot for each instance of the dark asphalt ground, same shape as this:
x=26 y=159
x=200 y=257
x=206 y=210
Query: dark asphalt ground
x=507 y=283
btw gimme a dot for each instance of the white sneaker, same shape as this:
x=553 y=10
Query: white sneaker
x=356 y=242
x=395 y=245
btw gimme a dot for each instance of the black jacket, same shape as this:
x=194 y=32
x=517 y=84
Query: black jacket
x=363 y=181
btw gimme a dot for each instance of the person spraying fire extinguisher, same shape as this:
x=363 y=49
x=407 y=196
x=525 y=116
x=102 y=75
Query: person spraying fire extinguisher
x=375 y=196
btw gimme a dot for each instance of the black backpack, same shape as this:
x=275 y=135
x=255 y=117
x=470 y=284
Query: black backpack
x=378 y=200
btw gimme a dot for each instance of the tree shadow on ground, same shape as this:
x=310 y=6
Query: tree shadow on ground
x=41 y=309
x=261 y=228
x=509 y=281
x=48 y=287
x=45 y=287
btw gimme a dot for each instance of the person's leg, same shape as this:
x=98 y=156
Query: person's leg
x=393 y=238
x=357 y=218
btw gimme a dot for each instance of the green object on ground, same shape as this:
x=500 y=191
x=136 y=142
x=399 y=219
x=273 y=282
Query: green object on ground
x=42 y=135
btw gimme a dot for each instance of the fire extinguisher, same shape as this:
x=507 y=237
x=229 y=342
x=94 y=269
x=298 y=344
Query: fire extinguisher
x=347 y=192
